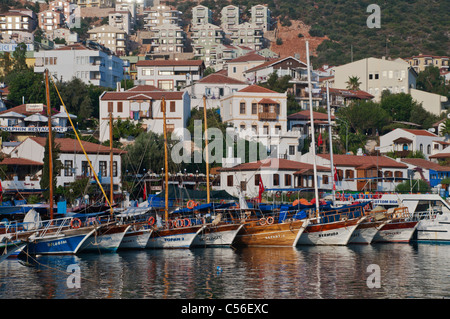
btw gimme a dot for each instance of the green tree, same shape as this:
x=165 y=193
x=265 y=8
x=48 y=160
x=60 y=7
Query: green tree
x=414 y=186
x=399 y=105
x=353 y=83
x=430 y=80
x=445 y=130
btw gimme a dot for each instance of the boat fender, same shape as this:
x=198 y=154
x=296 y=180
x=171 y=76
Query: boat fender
x=270 y=220
x=77 y=223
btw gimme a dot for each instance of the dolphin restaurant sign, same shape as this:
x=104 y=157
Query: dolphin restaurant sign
x=28 y=129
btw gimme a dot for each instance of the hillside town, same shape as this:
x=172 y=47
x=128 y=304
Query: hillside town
x=137 y=53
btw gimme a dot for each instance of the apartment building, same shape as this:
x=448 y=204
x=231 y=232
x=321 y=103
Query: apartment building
x=230 y=17
x=113 y=38
x=94 y=3
x=121 y=20
x=247 y=34
x=201 y=15
x=422 y=61
x=66 y=7
x=142 y=104
x=397 y=76
x=261 y=17
x=50 y=20
x=90 y=62
x=20 y=20
x=205 y=38
x=169 y=74
x=167 y=39
x=238 y=66
x=161 y=15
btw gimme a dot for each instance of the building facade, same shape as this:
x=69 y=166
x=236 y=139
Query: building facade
x=142 y=104
x=113 y=38
x=89 y=62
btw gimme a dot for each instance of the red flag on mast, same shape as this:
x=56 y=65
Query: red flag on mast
x=261 y=189
x=145 y=191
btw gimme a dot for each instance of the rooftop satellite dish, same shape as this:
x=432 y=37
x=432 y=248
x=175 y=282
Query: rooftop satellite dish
x=431 y=130
x=448 y=115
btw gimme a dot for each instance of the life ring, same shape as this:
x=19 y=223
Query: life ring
x=269 y=220
x=187 y=222
x=361 y=196
x=190 y=204
x=367 y=207
x=77 y=225
x=351 y=198
x=151 y=220
x=262 y=221
x=222 y=201
x=196 y=204
x=178 y=223
x=278 y=194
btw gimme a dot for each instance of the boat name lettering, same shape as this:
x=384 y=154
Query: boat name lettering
x=329 y=234
x=57 y=243
x=174 y=239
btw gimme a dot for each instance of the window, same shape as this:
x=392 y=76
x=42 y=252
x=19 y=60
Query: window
x=242 y=108
x=291 y=149
x=421 y=148
x=398 y=174
x=115 y=169
x=68 y=166
x=257 y=177
x=119 y=106
x=230 y=180
x=172 y=106
x=234 y=69
x=429 y=149
x=110 y=107
x=349 y=173
x=287 y=179
x=244 y=186
x=85 y=169
x=165 y=84
x=325 y=179
x=376 y=76
x=102 y=168
x=254 y=108
x=370 y=76
x=276 y=180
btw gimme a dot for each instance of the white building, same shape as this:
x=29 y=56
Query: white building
x=169 y=74
x=404 y=141
x=90 y=63
x=214 y=86
x=377 y=75
x=73 y=160
x=362 y=173
x=259 y=114
x=278 y=174
x=142 y=104
x=397 y=76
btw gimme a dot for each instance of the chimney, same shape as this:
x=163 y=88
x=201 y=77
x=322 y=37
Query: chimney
x=118 y=87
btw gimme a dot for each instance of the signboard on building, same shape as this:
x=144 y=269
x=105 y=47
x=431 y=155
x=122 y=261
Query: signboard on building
x=34 y=107
x=10 y=47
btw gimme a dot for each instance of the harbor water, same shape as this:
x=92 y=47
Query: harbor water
x=377 y=271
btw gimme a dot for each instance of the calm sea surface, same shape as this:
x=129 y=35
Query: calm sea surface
x=405 y=271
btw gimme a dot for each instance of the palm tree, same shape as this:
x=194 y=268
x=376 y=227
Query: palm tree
x=445 y=130
x=353 y=83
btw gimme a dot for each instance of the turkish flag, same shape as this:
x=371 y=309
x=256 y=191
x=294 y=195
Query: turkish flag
x=319 y=140
x=261 y=189
x=335 y=174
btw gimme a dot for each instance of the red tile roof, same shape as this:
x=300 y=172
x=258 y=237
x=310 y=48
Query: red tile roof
x=350 y=93
x=273 y=163
x=423 y=163
x=169 y=63
x=19 y=161
x=141 y=95
x=248 y=57
x=145 y=88
x=256 y=89
x=69 y=145
x=22 y=109
x=305 y=115
x=420 y=132
x=219 y=78
x=363 y=161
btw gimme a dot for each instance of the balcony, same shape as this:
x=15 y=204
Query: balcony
x=267 y=116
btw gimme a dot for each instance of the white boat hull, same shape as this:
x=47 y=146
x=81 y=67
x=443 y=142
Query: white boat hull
x=135 y=239
x=336 y=233
x=364 y=234
x=107 y=242
x=217 y=238
x=166 y=240
x=395 y=232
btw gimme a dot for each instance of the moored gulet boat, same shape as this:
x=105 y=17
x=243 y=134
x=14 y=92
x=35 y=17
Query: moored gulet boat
x=399 y=230
x=366 y=230
x=333 y=227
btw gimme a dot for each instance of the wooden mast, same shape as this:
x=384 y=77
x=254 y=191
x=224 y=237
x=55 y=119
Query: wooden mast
x=166 y=164
x=206 y=151
x=50 y=155
x=111 y=191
